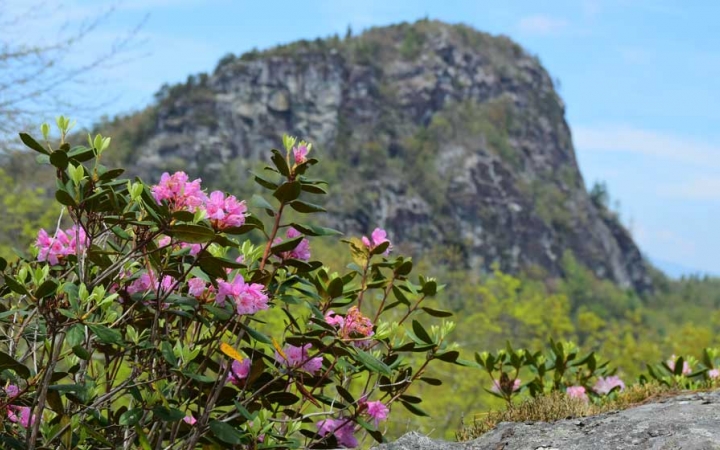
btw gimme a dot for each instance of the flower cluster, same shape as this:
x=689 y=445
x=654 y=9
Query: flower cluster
x=181 y=194
x=496 y=387
x=64 y=243
x=378 y=236
x=298 y=357
x=194 y=248
x=714 y=374
x=239 y=371
x=149 y=281
x=686 y=370
x=343 y=429
x=606 y=384
x=300 y=153
x=249 y=298
x=301 y=252
x=18 y=414
x=577 y=392
x=353 y=326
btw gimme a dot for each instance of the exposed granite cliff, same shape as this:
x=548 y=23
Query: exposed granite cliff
x=443 y=135
x=687 y=422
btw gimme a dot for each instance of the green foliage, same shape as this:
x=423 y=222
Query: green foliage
x=139 y=327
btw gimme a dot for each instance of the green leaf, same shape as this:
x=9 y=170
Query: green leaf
x=130 y=417
x=258 y=336
x=312 y=230
x=193 y=234
x=283 y=398
x=373 y=364
x=306 y=207
x=421 y=333
x=335 y=288
x=81 y=154
x=429 y=288
x=59 y=159
x=65 y=198
x=33 y=144
x=414 y=409
x=111 y=174
x=259 y=202
x=46 y=289
x=168 y=414
x=167 y=352
x=286 y=246
x=106 y=335
x=313 y=189
x=280 y=162
x=450 y=356
x=226 y=432
x=81 y=352
x=437 y=312
x=3 y=264
x=14 y=286
x=288 y=191
x=8 y=362
x=347 y=396
x=431 y=381
x=264 y=182
x=142 y=438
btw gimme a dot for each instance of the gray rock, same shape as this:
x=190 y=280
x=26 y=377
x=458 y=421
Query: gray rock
x=514 y=198
x=686 y=422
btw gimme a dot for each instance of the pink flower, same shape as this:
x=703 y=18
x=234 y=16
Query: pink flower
x=12 y=390
x=301 y=252
x=178 y=192
x=334 y=319
x=377 y=237
x=190 y=420
x=577 y=392
x=356 y=325
x=148 y=281
x=607 y=384
x=26 y=419
x=239 y=371
x=69 y=242
x=342 y=429
x=196 y=287
x=298 y=357
x=225 y=212
x=686 y=370
x=377 y=411
x=497 y=388
x=714 y=374
x=248 y=298
x=300 y=153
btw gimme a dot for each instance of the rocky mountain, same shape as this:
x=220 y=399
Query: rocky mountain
x=439 y=133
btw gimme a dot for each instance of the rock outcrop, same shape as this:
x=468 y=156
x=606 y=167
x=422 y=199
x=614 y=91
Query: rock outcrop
x=686 y=422
x=441 y=134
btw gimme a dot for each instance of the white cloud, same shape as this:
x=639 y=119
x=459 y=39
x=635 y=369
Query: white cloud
x=541 y=25
x=628 y=139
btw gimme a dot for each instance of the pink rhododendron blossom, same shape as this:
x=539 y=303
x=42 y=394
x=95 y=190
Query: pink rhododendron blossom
x=714 y=374
x=301 y=252
x=190 y=420
x=12 y=390
x=248 y=298
x=298 y=357
x=197 y=287
x=300 y=154
x=164 y=241
x=148 y=281
x=606 y=384
x=497 y=388
x=334 y=319
x=20 y=414
x=225 y=212
x=342 y=429
x=64 y=243
x=577 y=392
x=178 y=192
x=377 y=237
x=239 y=371
x=377 y=411
x=686 y=370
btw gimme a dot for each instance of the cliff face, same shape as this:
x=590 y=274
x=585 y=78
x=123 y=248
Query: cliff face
x=439 y=133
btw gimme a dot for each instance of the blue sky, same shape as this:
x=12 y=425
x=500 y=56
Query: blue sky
x=640 y=80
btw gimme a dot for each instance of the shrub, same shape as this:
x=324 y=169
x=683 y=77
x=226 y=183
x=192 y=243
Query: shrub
x=143 y=324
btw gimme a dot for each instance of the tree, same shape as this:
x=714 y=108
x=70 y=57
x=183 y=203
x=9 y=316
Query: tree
x=38 y=75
